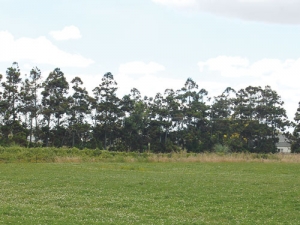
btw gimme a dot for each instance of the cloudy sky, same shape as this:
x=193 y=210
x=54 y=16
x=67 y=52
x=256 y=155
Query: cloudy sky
x=157 y=44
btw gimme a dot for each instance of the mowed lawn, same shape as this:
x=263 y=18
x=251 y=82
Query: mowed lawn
x=150 y=193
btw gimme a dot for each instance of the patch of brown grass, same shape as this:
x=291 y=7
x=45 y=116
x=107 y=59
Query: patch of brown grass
x=294 y=158
x=68 y=159
x=188 y=158
x=235 y=157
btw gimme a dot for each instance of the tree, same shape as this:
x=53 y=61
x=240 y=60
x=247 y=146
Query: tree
x=295 y=137
x=223 y=125
x=185 y=97
x=12 y=130
x=172 y=114
x=107 y=110
x=55 y=104
x=199 y=128
x=135 y=122
x=261 y=117
x=30 y=103
x=194 y=127
x=2 y=102
x=79 y=109
x=11 y=93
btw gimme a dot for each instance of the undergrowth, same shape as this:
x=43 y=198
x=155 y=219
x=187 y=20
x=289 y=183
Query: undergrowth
x=60 y=155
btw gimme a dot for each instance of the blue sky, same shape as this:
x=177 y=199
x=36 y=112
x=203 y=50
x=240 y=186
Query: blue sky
x=157 y=44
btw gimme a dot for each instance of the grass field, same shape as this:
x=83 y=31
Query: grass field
x=150 y=193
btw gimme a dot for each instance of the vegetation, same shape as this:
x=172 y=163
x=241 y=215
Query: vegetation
x=17 y=154
x=43 y=113
x=149 y=193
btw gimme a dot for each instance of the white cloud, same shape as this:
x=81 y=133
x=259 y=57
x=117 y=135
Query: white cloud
x=150 y=82
x=143 y=76
x=70 y=32
x=177 y=3
x=148 y=85
x=147 y=81
x=282 y=76
x=272 y=11
x=283 y=72
x=138 y=67
x=37 y=50
x=227 y=66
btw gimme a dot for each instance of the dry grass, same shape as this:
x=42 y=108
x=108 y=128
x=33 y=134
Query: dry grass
x=236 y=157
x=190 y=158
x=19 y=154
x=72 y=159
x=294 y=158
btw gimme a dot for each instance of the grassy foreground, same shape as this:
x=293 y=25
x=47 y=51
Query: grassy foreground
x=150 y=193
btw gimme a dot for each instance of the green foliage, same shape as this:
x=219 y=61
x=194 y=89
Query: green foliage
x=15 y=153
x=295 y=137
x=245 y=120
x=219 y=148
x=55 y=103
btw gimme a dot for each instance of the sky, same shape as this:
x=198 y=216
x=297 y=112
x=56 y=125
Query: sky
x=153 y=45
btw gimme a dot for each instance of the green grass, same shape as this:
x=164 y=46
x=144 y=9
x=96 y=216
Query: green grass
x=150 y=193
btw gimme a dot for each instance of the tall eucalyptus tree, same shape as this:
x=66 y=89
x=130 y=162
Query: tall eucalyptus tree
x=54 y=105
x=78 y=111
x=107 y=109
x=136 y=121
x=172 y=115
x=295 y=137
x=261 y=116
x=195 y=116
x=11 y=93
x=30 y=105
x=223 y=125
x=10 y=103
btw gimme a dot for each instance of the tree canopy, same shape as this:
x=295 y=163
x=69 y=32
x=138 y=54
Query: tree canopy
x=35 y=112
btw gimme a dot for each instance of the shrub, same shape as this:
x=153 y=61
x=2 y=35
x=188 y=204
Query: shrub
x=218 y=148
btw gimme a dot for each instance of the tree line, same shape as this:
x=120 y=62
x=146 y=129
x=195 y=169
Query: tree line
x=36 y=112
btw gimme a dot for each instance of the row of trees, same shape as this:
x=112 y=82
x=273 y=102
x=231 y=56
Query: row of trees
x=35 y=112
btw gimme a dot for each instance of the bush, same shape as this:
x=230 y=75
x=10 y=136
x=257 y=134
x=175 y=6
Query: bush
x=218 y=148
